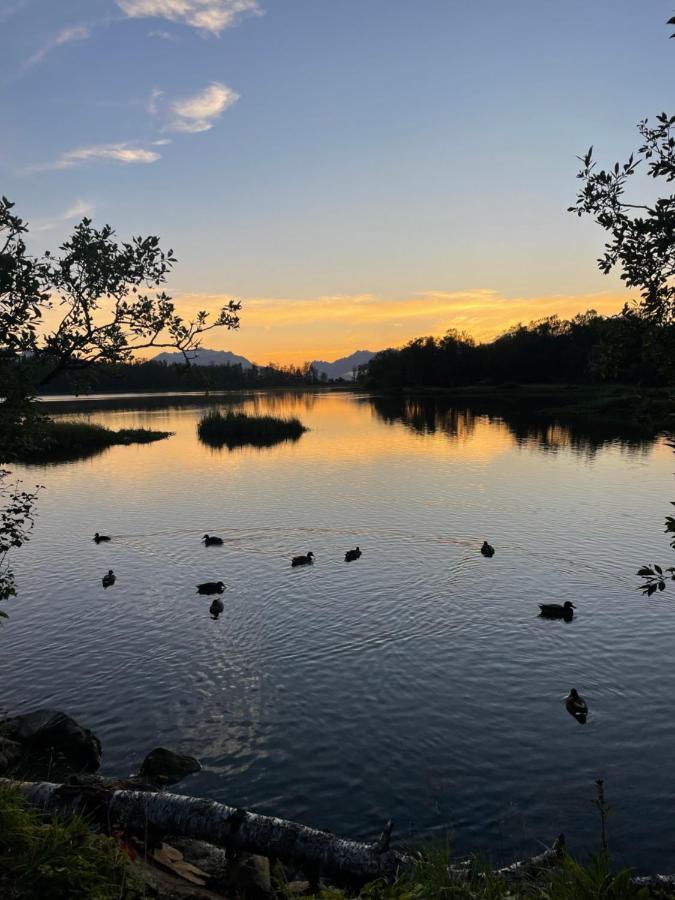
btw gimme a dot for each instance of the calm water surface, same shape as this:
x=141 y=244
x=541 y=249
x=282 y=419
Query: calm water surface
x=417 y=682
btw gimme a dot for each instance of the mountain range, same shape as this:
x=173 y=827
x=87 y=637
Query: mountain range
x=340 y=368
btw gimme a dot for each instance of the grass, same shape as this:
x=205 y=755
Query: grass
x=44 y=859
x=55 y=440
x=568 y=881
x=232 y=430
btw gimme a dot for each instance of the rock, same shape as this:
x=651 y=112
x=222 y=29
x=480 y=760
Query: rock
x=10 y=753
x=212 y=860
x=250 y=877
x=52 y=744
x=162 y=766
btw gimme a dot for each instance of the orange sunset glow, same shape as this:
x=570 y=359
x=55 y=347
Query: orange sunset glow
x=291 y=331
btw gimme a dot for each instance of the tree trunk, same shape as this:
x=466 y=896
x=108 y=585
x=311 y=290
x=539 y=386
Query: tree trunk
x=218 y=824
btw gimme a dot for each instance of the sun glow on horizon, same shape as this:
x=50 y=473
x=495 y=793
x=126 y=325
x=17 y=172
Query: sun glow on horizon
x=292 y=331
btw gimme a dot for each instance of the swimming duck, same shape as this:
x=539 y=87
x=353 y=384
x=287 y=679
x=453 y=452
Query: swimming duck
x=109 y=579
x=557 y=610
x=100 y=537
x=351 y=555
x=211 y=541
x=303 y=560
x=576 y=706
x=211 y=587
x=487 y=549
x=217 y=606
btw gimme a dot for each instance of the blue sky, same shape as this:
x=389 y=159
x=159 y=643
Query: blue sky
x=334 y=157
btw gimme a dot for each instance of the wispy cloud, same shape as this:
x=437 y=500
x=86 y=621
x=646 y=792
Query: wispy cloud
x=163 y=35
x=127 y=154
x=10 y=10
x=199 y=112
x=76 y=211
x=152 y=102
x=206 y=15
x=65 y=36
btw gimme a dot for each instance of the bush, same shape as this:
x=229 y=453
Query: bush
x=237 y=430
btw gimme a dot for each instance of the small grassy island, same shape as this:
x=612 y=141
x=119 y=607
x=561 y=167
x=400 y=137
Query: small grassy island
x=232 y=430
x=59 y=441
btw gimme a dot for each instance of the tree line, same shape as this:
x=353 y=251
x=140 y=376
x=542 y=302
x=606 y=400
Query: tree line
x=149 y=375
x=586 y=349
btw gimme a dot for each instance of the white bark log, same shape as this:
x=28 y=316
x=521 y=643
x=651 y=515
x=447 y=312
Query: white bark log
x=221 y=825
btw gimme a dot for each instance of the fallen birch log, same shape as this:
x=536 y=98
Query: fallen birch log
x=224 y=826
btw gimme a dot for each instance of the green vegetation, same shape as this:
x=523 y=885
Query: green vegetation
x=50 y=860
x=56 y=441
x=238 y=430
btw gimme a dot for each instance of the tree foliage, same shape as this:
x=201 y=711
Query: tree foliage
x=641 y=240
x=16 y=523
x=96 y=300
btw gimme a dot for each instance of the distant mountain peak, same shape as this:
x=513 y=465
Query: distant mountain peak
x=205 y=357
x=343 y=367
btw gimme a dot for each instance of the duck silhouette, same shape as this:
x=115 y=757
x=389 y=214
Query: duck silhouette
x=303 y=560
x=109 y=579
x=576 y=706
x=100 y=538
x=487 y=549
x=351 y=555
x=217 y=606
x=212 y=541
x=211 y=587
x=557 y=610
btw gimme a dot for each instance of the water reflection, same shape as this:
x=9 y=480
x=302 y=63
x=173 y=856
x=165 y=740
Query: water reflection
x=417 y=682
x=427 y=415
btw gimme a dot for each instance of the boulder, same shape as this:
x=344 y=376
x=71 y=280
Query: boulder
x=52 y=744
x=162 y=766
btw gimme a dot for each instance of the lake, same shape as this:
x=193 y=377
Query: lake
x=416 y=683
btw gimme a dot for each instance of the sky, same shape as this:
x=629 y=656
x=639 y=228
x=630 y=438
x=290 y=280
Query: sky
x=356 y=172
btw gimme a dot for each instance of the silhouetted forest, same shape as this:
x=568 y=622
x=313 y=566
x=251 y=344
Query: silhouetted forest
x=158 y=376
x=589 y=348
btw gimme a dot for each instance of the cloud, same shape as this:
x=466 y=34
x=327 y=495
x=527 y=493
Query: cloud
x=152 y=102
x=76 y=211
x=198 y=113
x=163 y=35
x=121 y=153
x=212 y=16
x=65 y=36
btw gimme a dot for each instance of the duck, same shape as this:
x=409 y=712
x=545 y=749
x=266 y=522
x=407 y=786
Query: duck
x=487 y=549
x=99 y=538
x=303 y=560
x=211 y=587
x=557 y=610
x=351 y=555
x=211 y=541
x=217 y=606
x=576 y=706
x=109 y=579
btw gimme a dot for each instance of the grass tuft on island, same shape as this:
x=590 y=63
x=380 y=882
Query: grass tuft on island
x=52 y=440
x=232 y=430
